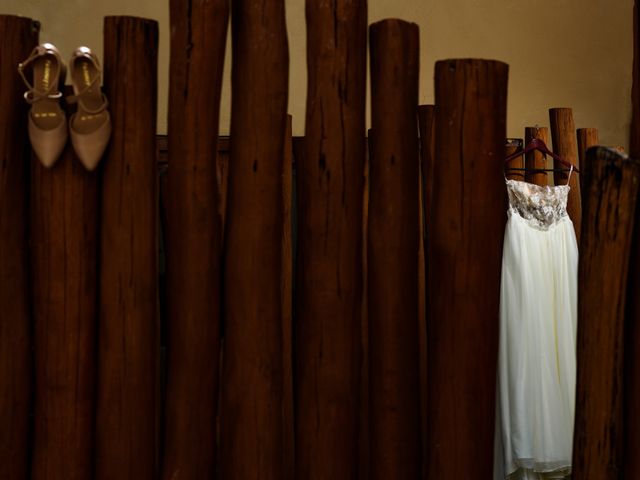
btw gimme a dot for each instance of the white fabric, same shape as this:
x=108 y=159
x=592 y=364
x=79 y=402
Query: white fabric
x=538 y=318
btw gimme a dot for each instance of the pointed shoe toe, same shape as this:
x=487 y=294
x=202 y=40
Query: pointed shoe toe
x=90 y=147
x=48 y=144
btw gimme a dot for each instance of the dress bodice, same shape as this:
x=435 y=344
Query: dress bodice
x=540 y=207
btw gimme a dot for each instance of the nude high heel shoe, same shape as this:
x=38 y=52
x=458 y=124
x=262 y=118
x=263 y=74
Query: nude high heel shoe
x=90 y=126
x=47 y=121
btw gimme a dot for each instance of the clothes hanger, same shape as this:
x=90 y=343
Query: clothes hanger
x=537 y=144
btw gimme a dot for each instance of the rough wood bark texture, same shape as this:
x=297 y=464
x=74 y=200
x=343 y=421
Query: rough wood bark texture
x=194 y=238
x=64 y=252
x=426 y=117
x=128 y=334
x=393 y=247
x=466 y=229
x=330 y=188
x=518 y=162
x=536 y=160
x=18 y=36
x=563 y=134
x=252 y=422
x=611 y=186
x=632 y=332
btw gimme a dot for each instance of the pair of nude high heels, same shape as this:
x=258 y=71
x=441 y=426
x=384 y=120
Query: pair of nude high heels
x=89 y=127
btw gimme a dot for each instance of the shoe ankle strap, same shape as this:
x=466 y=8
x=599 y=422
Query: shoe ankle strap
x=32 y=95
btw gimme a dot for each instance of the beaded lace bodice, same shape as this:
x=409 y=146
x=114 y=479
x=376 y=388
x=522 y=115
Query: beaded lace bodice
x=540 y=207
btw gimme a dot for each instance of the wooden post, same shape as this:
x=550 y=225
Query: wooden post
x=19 y=35
x=511 y=147
x=194 y=238
x=128 y=334
x=611 y=186
x=393 y=242
x=631 y=468
x=535 y=159
x=587 y=137
x=64 y=251
x=466 y=229
x=330 y=189
x=252 y=410
x=563 y=134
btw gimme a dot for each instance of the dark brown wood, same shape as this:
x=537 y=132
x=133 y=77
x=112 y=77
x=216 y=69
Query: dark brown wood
x=426 y=117
x=631 y=468
x=64 y=252
x=466 y=229
x=286 y=299
x=194 y=238
x=128 y=334
x=393 y=245
x=587 y=137
x=536 y=159
x=18 y=36
x=611 y=187
x=252 y=435
x=565 y=144
x=329 y=268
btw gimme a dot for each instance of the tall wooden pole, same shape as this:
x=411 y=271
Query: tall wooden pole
x=611 y=187
x=252 y=410
x=426 y=117
x=128 y=334
x=64 y=251
x=19 y=35
x=631 y=402
x=329 y=275
x=393 y=242
x=535 y=159
x=466 y=229
x=194 y=237
x=563 y=134
x=510 y=148
x=587 y=137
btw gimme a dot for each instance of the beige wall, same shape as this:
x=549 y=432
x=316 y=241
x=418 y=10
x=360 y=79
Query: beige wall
x=575 y=53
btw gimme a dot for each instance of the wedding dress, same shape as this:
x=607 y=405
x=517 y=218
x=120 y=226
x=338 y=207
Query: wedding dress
x=538 y=317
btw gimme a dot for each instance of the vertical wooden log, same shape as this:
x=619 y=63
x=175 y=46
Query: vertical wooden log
x=329 y=277
x=194 y=238
x=426 y=117
x=252 y=411
x=536 y=160
x=611 y=186
x=563 y=134
x=128 y=334
x=286 y=299
x=631 y=402
x=64 y=249
x=511 y=147
x=393 y=241
x=18 y=36
x=466 y=229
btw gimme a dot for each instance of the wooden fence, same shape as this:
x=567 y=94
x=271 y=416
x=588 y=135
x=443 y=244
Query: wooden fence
x=274 y=307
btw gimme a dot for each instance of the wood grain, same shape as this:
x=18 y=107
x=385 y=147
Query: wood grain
x=535 y=159
x=64 y=252
x=126 y=422
x=329 y=263
x=563 y=134
x=252 y=435
x=18 y=36
x=393 y=247
x=194 y=238
x=518 y=162
x=611 y=187
x=466 y=229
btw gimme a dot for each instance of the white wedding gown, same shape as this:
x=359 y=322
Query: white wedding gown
x=538 y=317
